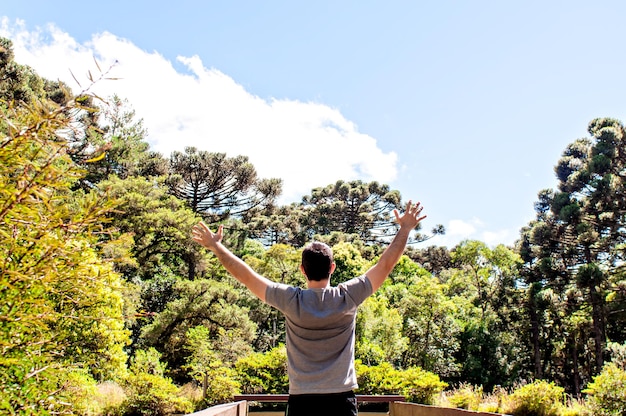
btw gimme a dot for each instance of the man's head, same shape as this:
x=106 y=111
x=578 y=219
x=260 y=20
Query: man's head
x=317 y=261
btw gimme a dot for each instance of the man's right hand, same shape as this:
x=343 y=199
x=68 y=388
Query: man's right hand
x=202 y=235
x=411 y=216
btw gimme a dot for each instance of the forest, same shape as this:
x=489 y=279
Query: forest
x=107 y=307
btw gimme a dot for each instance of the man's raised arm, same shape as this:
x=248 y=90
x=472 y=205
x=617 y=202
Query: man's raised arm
x=390 y=257
x=233 y=264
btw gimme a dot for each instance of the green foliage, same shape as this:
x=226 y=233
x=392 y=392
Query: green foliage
x=349 y=262
x=574 y=251
x=148 y=391
x=264 y=372
x=417 y=385
x=201 y=302
x=81 y=391
x=467 y=397
x=85 y=210
x=355 y=207
x=158 y=224
x=430 y=321
x=217 y=186
x=483 y=288
x=606 y=394
x=379 y=332
x=207 y=365
x=284 y=224
x=405 y=271
x=113 y=144
x=539 y=398
x=19 y=84
x=61 y=303
x=434 y=259
x=279 y=263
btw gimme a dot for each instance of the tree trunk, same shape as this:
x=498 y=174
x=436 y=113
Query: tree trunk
x=598 y=326
x=534 y=331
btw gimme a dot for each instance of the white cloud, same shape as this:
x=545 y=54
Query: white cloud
x=506 y=237
x=475 y=229
x=463 y=229
x=305 y=144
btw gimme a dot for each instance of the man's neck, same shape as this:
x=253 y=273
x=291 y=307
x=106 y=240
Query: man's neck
x=318 y=284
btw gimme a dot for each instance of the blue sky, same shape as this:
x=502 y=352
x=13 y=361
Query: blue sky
x=463 y=105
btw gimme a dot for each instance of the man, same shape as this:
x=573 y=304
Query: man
x=320 y=320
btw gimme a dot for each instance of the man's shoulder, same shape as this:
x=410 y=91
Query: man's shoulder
x=355 y=281
x=276 y=289
x=359 y=286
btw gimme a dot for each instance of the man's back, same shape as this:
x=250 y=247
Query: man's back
x=320 y=327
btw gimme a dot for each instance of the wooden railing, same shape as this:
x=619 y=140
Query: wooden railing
x=397 y=406
x=282 y=398
x=239 y=408
x=414 y=409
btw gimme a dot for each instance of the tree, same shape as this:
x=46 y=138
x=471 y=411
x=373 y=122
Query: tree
x=574 y=249
x=200 y=302
x=158 y=224
x=149 y=391
x=431 y=323
x=284 y=224
x=362 y=209
x=61 y=304
x=120 y=146
x=20 y=84
x=349 y=262
x=217 y=187
x=279 y=263
x=352 y=208
x=484 y=282
x=264 y=372
x=218 y=378
x=435 y=259
x=379 y=333
x=592 y=206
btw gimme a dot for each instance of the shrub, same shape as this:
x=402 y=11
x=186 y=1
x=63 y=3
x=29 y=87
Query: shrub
x=540 y=398
x=420 y=386
x=466 y=397
x=264 y=372
x=81 y=390
x=110 y=398
x=417 y=385
x=149 y=392
x=607 y=392
x=221 y=385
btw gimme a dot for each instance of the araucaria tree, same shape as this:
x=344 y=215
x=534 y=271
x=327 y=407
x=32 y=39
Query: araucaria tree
x=574 y=258
x=218 y=187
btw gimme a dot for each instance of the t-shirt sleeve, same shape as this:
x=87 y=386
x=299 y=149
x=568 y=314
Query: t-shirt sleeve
x=279 y=295
x=358 y=288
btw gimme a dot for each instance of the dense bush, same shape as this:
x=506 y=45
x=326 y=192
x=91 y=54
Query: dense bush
x=417 y=385
x=540 y=398
x=607 y=392
x=466 y=397
x=264 y=372
x=149 y=391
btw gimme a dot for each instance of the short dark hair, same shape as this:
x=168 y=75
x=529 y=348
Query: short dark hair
x=317 y=259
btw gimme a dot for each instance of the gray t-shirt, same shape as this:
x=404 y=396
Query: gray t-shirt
x=320 y=334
